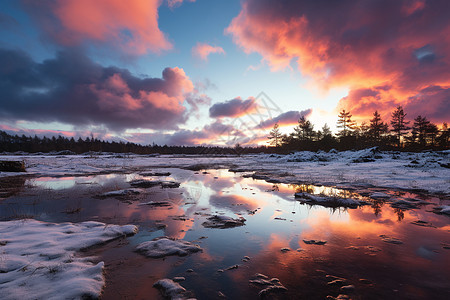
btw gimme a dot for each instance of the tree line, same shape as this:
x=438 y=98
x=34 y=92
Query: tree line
x=398 y=134
x=90 y=145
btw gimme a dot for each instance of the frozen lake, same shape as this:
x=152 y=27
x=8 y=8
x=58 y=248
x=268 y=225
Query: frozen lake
x=390 y=245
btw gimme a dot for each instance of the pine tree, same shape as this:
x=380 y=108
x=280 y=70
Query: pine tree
x=377 y=127
x=304 y=130
x=346 y=123
x=399 y=124
x=326 y=131
x=443 y=138
x=275 y=136
x=420 y=128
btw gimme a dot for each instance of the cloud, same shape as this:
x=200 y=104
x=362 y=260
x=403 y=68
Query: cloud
x=202 y=51
x=287 y=118
x=73 y=89
x=216 y=133
x=130 y=25
x=360 y=45
x=432 y=101
x=233 y=108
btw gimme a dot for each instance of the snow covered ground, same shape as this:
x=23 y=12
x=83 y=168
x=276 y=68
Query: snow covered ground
x=38 y=260
x=428 y=171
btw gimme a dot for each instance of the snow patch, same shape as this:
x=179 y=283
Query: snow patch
x=170 y=289
x=165 y=246
x=38 y=259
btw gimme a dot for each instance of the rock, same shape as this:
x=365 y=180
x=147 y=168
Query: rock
x=156 y=174
x=339 y=297
x=169 y=288
x=443 y=209
x=143 y=183
x=422 y=223
x=348 y=288
x=179 y=279
x=12 y=166
x=328 y=201
x=390 y=240
x=259 y=275
x=337 y=282
x=157 y=203
x=373 y=249
x=314 y=242
x=119 y=193
x=223 y=222
x=445 y=246
x=170 y=184
x=365 y=281
x=232 y=267
x=260 y=281
x=270 y=290
x=164 y=246
x=404 y=204
x=379 y=195
x=189 y=271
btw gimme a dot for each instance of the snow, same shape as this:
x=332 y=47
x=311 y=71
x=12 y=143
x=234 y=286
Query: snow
x=38 y=261
x=170 y=289
x=164 y=246
x=388 y=169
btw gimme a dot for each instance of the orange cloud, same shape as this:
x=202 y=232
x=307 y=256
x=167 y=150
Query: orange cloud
x=202 y=51
x=131 y=25
x=403 y=43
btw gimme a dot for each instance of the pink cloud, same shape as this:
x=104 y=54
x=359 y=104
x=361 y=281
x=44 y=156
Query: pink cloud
x=202 y=51
x=404 y=43
x=131 y=25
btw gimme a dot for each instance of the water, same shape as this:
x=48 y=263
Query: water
x=416 y=269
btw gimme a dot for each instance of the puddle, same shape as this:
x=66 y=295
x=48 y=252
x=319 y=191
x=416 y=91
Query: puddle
x=282 y=237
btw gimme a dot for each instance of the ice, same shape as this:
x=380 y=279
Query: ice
x=38 y=259
x=164 y=246
x=389 y=170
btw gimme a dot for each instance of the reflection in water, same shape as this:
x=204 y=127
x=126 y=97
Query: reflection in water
x=354 y=250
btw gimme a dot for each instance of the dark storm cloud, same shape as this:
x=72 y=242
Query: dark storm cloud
x=73 y=89
x=287 y=118
x=233 y=108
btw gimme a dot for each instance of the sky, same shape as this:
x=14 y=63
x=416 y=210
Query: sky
x=219 y=72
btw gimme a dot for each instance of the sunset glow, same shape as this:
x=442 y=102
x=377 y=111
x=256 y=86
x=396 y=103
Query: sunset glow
x=183 y=72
